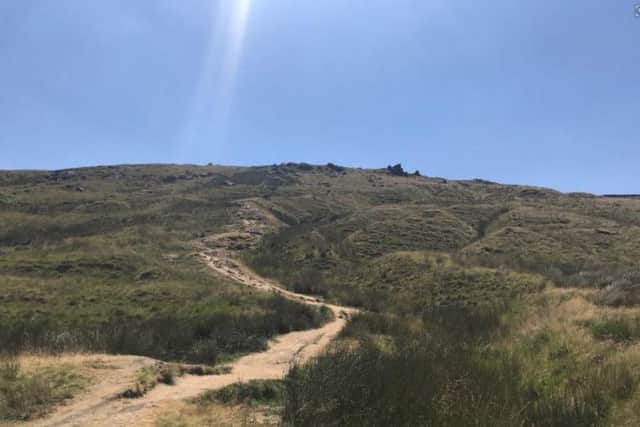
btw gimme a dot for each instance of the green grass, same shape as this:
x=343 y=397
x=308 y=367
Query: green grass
x=102 y=259
x=407 y=282
x=112 y=268
x=255 y=392
x=619 y=329
x=447 y=370
x=342 y=220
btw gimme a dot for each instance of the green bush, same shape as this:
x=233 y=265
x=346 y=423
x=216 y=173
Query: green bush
x=447 y=375
x=199 y=339
x=253 y=392
x=310 y=282
x=619 y=329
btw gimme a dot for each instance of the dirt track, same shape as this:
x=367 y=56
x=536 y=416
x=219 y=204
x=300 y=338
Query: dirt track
x=100 y=407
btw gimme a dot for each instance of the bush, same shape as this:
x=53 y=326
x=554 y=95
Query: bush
x=445 y=376
x=618 y=329
x=191 y=339
x=146 y=379
x=252 y=392
x=310 y=282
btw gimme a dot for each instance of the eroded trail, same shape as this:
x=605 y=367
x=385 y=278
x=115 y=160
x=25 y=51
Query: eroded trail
x=100 y=407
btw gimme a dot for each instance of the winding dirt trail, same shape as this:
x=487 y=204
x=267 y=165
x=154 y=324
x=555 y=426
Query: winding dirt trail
x=101 y=407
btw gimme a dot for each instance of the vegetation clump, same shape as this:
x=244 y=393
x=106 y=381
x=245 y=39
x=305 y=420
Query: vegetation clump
x=255 y=392
x=446 y=372
x=202 y=338
x=149 y=377
x=617 y=328
x=29 y=393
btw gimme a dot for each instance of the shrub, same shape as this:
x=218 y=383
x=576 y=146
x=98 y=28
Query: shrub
x=618 y=329
x=444 y=376
x=310 y=281
x=252 y=392
x=146 y=379
x=198 y=339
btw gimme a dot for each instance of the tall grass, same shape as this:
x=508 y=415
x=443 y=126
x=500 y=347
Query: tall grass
x=446 y=375
x=28 y=394
x=201 y=339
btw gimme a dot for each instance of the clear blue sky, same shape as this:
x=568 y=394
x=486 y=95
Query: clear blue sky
x=527 y=91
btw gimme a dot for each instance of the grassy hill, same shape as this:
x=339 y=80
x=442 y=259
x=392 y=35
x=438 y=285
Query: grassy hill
x=103 y=259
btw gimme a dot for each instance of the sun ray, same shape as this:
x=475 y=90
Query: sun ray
x=214 y=92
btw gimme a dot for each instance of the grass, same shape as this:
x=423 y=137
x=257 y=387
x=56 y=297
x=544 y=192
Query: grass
x=256 y=392
x=111 y=268
x=29 y=393
x=138 y=293
x=256 y=402
x=149 y=377
x=101 y=259
x=619 y=329
x=555 y=332
x=348 y=219
x=215 y=415
x=518 y=365
x=413 y=281
x=197 y=338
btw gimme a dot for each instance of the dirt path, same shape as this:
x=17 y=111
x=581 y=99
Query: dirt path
x=99 y=407
x=117 y=375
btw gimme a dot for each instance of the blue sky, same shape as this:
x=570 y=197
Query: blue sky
x=543 y=93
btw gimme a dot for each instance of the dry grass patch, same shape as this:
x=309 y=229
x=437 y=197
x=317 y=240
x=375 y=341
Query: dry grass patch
x=31 y=385
x=183 y=414
x=569 y=341
x=255 y=403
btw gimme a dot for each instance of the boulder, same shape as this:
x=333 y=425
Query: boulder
x=396 y=170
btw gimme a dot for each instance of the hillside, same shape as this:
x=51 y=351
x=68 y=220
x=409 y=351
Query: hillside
x=105 y=259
